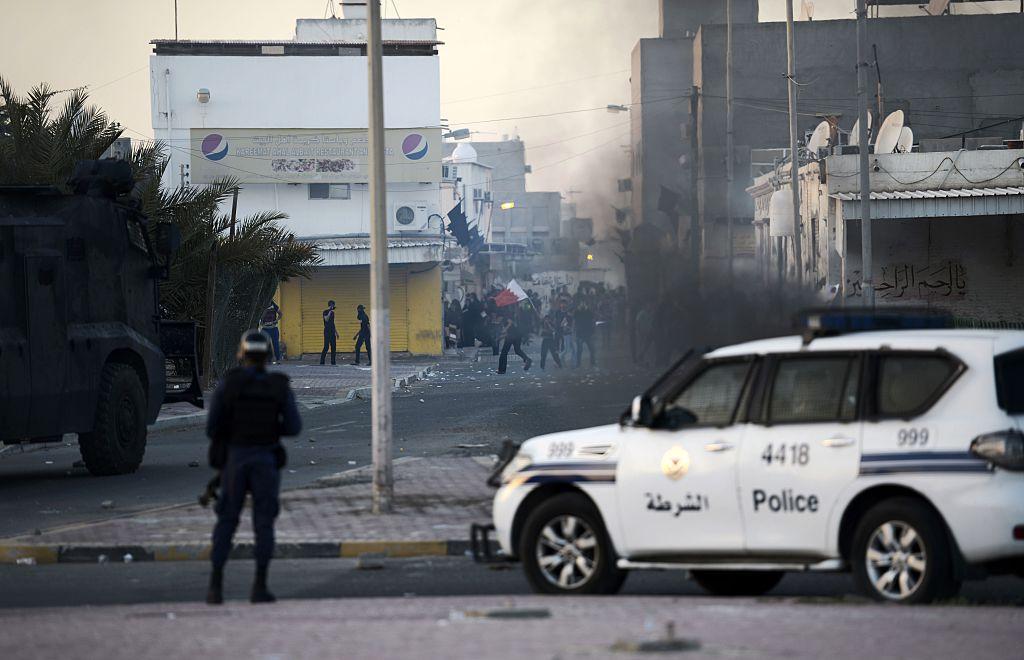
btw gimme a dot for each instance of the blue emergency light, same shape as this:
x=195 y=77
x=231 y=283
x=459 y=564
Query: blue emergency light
x=832 y=322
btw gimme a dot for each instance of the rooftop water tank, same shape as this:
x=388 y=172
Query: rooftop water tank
x=464 y=153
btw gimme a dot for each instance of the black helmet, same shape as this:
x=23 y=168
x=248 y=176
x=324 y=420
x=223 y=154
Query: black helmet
x=254 y=344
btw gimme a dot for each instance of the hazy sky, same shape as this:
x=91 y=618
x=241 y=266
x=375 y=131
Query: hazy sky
x=501 y=58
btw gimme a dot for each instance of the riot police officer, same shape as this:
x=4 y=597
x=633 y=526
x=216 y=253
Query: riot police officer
x=249 y=412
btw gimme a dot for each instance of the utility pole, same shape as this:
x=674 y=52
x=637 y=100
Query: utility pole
x=175 y=20
x=794 y=169
x=380 y=309
x=729 y=139
x=867 y=282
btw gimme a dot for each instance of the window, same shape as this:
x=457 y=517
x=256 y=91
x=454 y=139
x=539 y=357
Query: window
x=713 y=395
x=818 y=389
x=1010 y=382
x=330 y=191
x=907 y=383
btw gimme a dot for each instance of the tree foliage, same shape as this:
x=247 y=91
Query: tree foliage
x=40 y=144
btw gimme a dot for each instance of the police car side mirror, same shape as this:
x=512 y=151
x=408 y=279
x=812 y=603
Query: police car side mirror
x=641 y=412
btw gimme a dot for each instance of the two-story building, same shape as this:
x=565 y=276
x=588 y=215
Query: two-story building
x=288 y=120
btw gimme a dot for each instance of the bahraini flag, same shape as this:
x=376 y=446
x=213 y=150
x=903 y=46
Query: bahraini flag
x=510 y=295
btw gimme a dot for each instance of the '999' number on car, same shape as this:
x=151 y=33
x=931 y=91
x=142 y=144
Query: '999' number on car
x=912 y=437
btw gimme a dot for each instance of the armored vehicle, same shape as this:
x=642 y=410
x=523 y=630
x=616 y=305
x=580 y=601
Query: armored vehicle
x=83 y=349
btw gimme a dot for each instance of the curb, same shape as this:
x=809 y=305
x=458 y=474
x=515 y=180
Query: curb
x=197 y=419
x=92 y=554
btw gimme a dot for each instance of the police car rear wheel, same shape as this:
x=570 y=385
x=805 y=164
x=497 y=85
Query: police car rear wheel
x=566 y=550
x=117 y=442
x=901 y=554
x=737 y=583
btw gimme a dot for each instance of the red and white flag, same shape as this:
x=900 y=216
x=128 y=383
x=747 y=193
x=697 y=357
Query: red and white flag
x=510 y=295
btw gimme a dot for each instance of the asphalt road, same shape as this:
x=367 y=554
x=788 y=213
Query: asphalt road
x=62 y=585
x=462 y=403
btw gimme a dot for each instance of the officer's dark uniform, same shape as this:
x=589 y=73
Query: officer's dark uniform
x=362 y=337
x=249 y=412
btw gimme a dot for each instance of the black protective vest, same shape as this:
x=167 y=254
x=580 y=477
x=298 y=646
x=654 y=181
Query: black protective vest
x=255 y=407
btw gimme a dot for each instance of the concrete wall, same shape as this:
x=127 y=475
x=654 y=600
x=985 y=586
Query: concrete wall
x=661 y=84
x=929 y=263
x=331 y=29
x=945 y=72
x=677 y=17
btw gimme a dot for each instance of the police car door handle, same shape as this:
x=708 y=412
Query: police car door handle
x=718 y=446
x=838 y=441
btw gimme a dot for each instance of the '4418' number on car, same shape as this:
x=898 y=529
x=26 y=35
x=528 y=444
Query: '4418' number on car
x=781 y=454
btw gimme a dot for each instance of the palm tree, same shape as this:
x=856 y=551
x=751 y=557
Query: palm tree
x=39 y=146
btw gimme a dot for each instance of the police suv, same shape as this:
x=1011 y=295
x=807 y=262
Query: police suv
x=897 y=455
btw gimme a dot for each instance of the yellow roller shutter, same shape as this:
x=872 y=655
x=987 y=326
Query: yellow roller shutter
x=349 y=286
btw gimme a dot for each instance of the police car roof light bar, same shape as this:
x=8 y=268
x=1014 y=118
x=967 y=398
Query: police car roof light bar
x=831 y=323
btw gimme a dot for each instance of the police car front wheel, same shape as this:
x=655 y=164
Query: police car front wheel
x=901 y=553
x=566 y=550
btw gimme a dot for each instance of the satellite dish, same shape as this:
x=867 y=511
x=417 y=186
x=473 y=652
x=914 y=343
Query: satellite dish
x=855 y=131
x=819 y=138
x=906 y=141
x=889 y=133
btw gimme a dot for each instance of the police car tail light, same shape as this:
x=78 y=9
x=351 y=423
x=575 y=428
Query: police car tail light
x=1002 y=448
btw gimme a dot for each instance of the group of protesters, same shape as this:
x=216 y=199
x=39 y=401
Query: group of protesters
x=567 y=323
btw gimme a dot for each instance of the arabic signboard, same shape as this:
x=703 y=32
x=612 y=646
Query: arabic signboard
x=305 y=155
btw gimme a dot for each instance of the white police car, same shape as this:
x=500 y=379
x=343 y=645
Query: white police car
x=897 y=455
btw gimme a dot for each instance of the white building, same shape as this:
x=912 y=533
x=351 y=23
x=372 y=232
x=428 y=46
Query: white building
x=288 y=119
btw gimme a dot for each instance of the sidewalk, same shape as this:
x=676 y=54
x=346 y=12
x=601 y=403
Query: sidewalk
x=436 y=499
x=314 y=386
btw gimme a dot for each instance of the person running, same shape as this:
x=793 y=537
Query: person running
x=584 y=324
x=330 y=334
x=362 y=337
x=547 y=341
x=513 y=340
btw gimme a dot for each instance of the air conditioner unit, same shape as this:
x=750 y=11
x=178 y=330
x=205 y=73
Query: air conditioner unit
x=410 y=216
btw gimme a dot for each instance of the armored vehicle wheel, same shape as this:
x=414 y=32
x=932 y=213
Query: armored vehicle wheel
x=566 y=550
x=118 y=439
x=737 y=583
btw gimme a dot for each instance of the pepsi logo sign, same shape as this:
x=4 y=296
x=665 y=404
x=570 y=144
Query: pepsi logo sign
x=214 y=146
x=414 y=146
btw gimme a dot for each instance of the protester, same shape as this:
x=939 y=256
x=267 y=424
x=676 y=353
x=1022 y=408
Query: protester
x=584 y=323
x=330 y=334
x=512 y=340
x=362 y=336
x=269 y=326
x=453 y=323
x=547 y=341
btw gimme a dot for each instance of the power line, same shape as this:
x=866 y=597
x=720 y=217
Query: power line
x=530 y=89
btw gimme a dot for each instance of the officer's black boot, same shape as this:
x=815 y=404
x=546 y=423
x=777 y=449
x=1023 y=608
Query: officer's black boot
x=215 y=594
x=260 y=593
